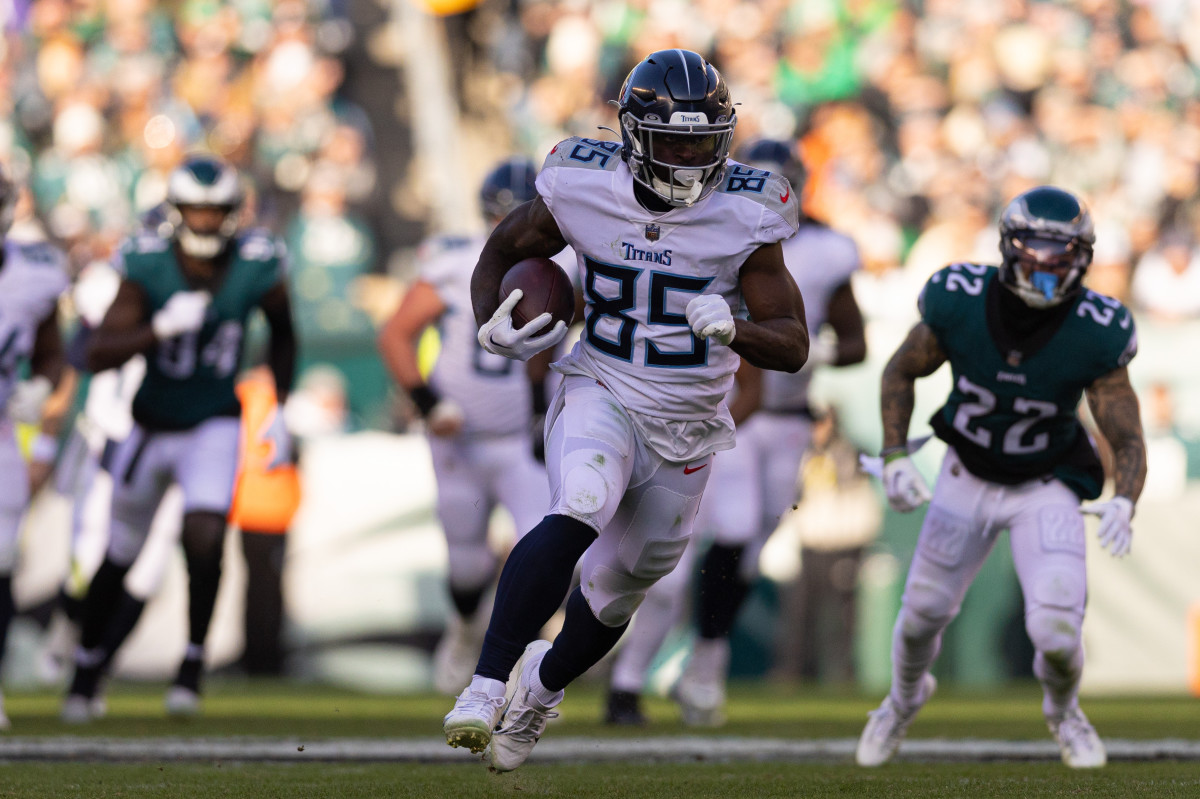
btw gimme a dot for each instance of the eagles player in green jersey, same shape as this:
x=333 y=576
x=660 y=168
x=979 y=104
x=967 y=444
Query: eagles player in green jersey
x=183 y=302
x=1025 y=342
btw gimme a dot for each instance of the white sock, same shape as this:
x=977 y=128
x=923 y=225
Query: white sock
x=541 y=693
x=487 y=685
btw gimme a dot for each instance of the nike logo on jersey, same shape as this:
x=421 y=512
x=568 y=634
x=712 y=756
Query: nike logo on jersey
x=783 y=198
x=690 y=469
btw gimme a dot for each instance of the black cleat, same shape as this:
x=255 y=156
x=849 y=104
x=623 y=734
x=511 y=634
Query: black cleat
x=624 y=708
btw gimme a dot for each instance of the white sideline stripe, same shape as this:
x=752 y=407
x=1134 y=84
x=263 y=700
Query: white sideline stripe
x=558 y=750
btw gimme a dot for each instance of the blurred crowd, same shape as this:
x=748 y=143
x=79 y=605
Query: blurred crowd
x=918 y=120
x=103 y=98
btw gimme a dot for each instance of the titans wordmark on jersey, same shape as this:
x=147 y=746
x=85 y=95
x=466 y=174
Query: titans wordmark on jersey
x=191 y=378
x=1012 y=416
x=32 y=276
x=639 y=270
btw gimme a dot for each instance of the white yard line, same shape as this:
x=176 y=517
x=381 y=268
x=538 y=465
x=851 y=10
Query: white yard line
x=557 y=750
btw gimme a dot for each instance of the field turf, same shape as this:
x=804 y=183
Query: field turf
x=308 y=716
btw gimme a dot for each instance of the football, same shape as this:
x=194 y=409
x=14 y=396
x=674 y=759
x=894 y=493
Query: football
x=546 y=287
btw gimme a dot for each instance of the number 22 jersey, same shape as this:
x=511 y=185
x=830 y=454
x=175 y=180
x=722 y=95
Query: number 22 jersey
x=639 y=269
x=1012 y=413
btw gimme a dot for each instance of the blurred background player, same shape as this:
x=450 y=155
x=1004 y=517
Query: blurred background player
x=183 y=302
x=1025 y=343
x=32 y=360
x=753 y=484
x=478 y=408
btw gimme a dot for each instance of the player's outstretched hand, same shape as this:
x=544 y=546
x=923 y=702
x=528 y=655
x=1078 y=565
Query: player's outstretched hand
x=1115 y=533
x=28 y=398
x=710 y=317
x=183 y=312
x=906 y=488
x=498 y=335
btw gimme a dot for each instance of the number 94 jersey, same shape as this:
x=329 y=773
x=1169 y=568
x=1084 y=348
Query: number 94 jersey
x=191 y=378
x=1012 y=413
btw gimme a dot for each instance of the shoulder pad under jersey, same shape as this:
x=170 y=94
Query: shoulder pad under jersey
x=582 y=153
x=258 y=244
x=439 y=245
x=40 y=253
x=769 y=189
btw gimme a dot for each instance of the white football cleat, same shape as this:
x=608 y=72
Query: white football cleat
x=181 y=701
x=471 y=721
x=701 y=702
x=700 y=690
x=458 y=651
x=525 y=717
x=887 y=725
x=76 y=709
x=1081 y=747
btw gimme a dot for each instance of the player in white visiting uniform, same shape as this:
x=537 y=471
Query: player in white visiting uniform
x=1025 y=342
x=754 y=484
x=32 y=276
x=683 y=275
x=478 y=409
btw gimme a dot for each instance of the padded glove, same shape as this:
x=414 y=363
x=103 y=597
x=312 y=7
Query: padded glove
x=183 y=312
x=906 y=488
x=710 y=317
x=1115 y=533
x=497 y=335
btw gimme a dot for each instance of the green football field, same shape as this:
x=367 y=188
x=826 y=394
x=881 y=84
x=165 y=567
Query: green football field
x=277 y=739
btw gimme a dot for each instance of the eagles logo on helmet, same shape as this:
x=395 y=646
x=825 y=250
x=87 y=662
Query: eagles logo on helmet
x=1046 y=238
x=204 y=181
x=677 y=120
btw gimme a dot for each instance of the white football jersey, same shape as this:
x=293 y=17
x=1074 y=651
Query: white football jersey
x=639 y=269
x=32 y=277
x=820 y=260
x=493 y=391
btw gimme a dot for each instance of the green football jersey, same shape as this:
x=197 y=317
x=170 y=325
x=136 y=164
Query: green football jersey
x=1012 y=413
x=191 y=378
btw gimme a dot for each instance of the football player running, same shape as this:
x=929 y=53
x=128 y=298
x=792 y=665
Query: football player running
x=1025 y=341
x=183 y=302
x=32 y=276
x=478 y=409
x=754 y=484
x=683 y=275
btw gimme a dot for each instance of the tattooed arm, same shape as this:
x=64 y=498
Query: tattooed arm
x=1114 y=406
x=919 y=356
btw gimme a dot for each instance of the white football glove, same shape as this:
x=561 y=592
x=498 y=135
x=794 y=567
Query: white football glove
x=906 y=488
x=710 y=317
x=498 y=336
x=183 y=312
x=1115 y=515
x=275 y=433
x=27 y=399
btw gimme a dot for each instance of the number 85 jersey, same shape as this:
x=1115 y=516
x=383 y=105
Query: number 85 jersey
x=1012 y=412
x=639 y=269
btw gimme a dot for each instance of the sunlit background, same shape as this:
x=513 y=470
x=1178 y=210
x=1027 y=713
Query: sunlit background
x=365 y=126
